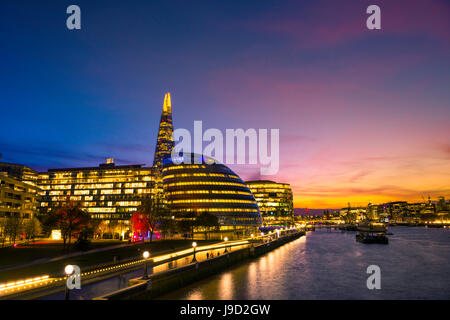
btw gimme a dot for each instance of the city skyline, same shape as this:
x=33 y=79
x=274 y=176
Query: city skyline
x=363 y=115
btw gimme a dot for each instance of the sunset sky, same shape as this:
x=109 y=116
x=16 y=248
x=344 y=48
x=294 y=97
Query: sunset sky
x=364 y=115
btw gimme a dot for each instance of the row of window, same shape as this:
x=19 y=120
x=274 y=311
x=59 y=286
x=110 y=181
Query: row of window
x=267 y=186
x=183 y=175
x=119 y=179
x=177 y=167
x=215 y=210
x=212 y=201
x=221 y=183
x=171 y=193
x=110 y=210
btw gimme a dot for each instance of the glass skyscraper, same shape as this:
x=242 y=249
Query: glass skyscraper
x=164 y=142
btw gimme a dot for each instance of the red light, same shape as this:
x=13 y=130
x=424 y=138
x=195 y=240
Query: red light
x=15 y=245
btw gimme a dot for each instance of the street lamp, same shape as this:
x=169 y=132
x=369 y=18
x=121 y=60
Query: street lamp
x=146 y=254
x=194 y=245
x=225 y=239
x=68 y=270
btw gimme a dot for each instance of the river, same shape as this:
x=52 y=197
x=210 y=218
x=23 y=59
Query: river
x=332 y=265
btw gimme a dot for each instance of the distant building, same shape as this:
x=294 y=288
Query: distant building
x=17 y=198
x=353 y=214
x=20 y=172
x=108 y=192
x=212 y=188
x=442 y=205
x=275 y=202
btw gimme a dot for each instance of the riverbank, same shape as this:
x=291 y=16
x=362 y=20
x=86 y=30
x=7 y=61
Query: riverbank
x=54 y=266
x=164 y=282
x=333 y=266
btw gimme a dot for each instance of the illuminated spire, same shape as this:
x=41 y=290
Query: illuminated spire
x=167 y=107
x=164 y=142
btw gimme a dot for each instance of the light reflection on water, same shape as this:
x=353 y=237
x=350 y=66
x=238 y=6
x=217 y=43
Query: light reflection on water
x=99 y=288
x=332 y=265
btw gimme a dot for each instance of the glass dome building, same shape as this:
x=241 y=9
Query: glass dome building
x=193 y=188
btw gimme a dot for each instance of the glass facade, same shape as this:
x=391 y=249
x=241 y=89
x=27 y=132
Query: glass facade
x=164 y=143
x=17 y=198
x=213 y=188
x=20 y=172
x=275 y=202
x=108 y=192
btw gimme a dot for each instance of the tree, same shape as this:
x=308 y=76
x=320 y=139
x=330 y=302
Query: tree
x=112 y=227
x=167 y=225
x=13 y=227
x=71 y=220
x=121 y=228
x=2 y=230
x=102 y=228
x=154 y=211
x=48 y=222
x=208 y=222
x=32 y=228
x=139 y=223
x=186 y=223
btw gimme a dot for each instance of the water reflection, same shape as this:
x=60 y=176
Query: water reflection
x=114 y=283
x=332 y=265
x=226 y=286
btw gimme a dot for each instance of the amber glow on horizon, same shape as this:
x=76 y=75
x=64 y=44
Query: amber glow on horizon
x=363 y=115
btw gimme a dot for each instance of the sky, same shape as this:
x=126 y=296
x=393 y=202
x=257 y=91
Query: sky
x=364 y=115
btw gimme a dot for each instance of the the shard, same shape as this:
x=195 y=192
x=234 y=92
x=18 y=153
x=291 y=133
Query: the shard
x=164 y=143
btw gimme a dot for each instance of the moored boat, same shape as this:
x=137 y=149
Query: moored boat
x=370 y=237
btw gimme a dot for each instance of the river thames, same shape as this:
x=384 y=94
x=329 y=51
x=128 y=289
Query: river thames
x=332 y=265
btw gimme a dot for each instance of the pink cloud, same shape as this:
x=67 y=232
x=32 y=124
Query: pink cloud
x=328 y=22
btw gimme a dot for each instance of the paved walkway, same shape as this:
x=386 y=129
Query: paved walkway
x=69 y=255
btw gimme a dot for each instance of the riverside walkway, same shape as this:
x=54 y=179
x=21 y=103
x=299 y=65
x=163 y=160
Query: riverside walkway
x=104 y=277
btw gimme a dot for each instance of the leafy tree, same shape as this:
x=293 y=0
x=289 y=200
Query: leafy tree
x=139 y=223
x=154 y=211
x=71 y=220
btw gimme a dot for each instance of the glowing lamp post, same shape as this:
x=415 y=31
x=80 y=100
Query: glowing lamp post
x=194 y=245
x=225 y=239
x=68 y=270
x=226 y=247
x=145 y=255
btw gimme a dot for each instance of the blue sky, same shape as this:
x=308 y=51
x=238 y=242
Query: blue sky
x=357 y=109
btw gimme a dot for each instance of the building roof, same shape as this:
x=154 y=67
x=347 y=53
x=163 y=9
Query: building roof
x=102 y=166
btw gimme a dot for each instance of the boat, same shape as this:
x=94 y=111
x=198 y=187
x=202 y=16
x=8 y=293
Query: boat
x=366 y=226
x=372 y=232
x=348 y=227
x=370 y=237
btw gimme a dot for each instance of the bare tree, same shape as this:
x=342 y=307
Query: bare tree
x=13 y=227
x=32 y=228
